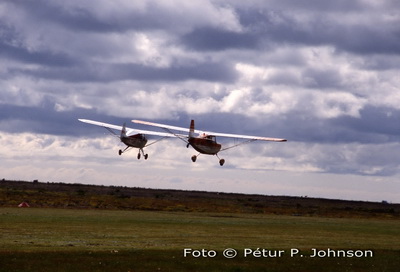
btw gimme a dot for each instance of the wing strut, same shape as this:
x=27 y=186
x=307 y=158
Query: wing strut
x=175 y=134
x=155 y=141
x=112 y=132
x=236 y=145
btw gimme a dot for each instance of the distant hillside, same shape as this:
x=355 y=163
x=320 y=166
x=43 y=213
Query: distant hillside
x=79 y=196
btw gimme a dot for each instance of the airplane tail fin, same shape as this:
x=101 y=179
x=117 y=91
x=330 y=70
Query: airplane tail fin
x=191 y=131
x=123 y=131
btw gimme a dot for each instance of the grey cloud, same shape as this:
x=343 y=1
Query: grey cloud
x=316 y=6
x=381 y=62
x=269 y=28
x=104 y=72
x=319 y=78
x=83 y=18
x=46 y=58
x=376 y=160
x=374 y=126
x=366 y=40
x=12 y=47
x=380 y=122
x=46 y=120
x=205 y=39
x=75 y=18
x=357 y=38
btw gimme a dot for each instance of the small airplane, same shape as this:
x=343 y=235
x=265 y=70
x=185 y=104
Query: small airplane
x=132 y=138
x=205 y=142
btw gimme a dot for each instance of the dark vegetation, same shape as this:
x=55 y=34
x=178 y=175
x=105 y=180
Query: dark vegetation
x=171 y=260
x=79 y=196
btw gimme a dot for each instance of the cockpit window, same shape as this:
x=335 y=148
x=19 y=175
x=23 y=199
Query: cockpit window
x=212 y=138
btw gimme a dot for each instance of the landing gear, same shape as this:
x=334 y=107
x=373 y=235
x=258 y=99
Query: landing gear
x=144 y=155
x=221 y=161
x=139 y=155
x=122 y=151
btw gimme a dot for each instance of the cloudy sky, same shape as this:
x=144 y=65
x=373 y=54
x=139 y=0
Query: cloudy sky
x=322 y=74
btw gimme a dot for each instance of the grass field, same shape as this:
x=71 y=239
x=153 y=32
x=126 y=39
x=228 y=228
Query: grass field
x=36 y=239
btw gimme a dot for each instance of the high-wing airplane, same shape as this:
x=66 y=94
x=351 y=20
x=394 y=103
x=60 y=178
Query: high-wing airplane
x=205 y=142
x=132 y=138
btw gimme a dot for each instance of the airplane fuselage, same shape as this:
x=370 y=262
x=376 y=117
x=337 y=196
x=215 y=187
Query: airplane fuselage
x=137 y=140
x=205 y=145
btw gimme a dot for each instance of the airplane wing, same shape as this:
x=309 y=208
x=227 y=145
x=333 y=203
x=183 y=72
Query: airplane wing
x=237 y=136
x=129 y=131
x=248 y=137
x=162 y=126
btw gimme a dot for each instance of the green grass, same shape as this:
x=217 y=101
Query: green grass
x=102 y=240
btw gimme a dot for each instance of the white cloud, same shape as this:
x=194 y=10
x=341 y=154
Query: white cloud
x=20 y=92
x=336 y=104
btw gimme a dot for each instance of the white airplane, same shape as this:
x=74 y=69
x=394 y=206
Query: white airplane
x=132 y=138
x=205 y=142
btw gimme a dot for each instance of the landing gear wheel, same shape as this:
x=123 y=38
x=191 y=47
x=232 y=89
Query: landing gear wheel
x=138 y=156
x=221 y=162
x=120 y=152
x=194 y=157
x=146 y=156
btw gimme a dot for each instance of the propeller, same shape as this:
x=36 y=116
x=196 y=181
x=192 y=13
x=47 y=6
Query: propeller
x=123 y=131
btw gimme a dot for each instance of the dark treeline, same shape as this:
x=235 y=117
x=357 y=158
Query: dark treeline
x=80 y=196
